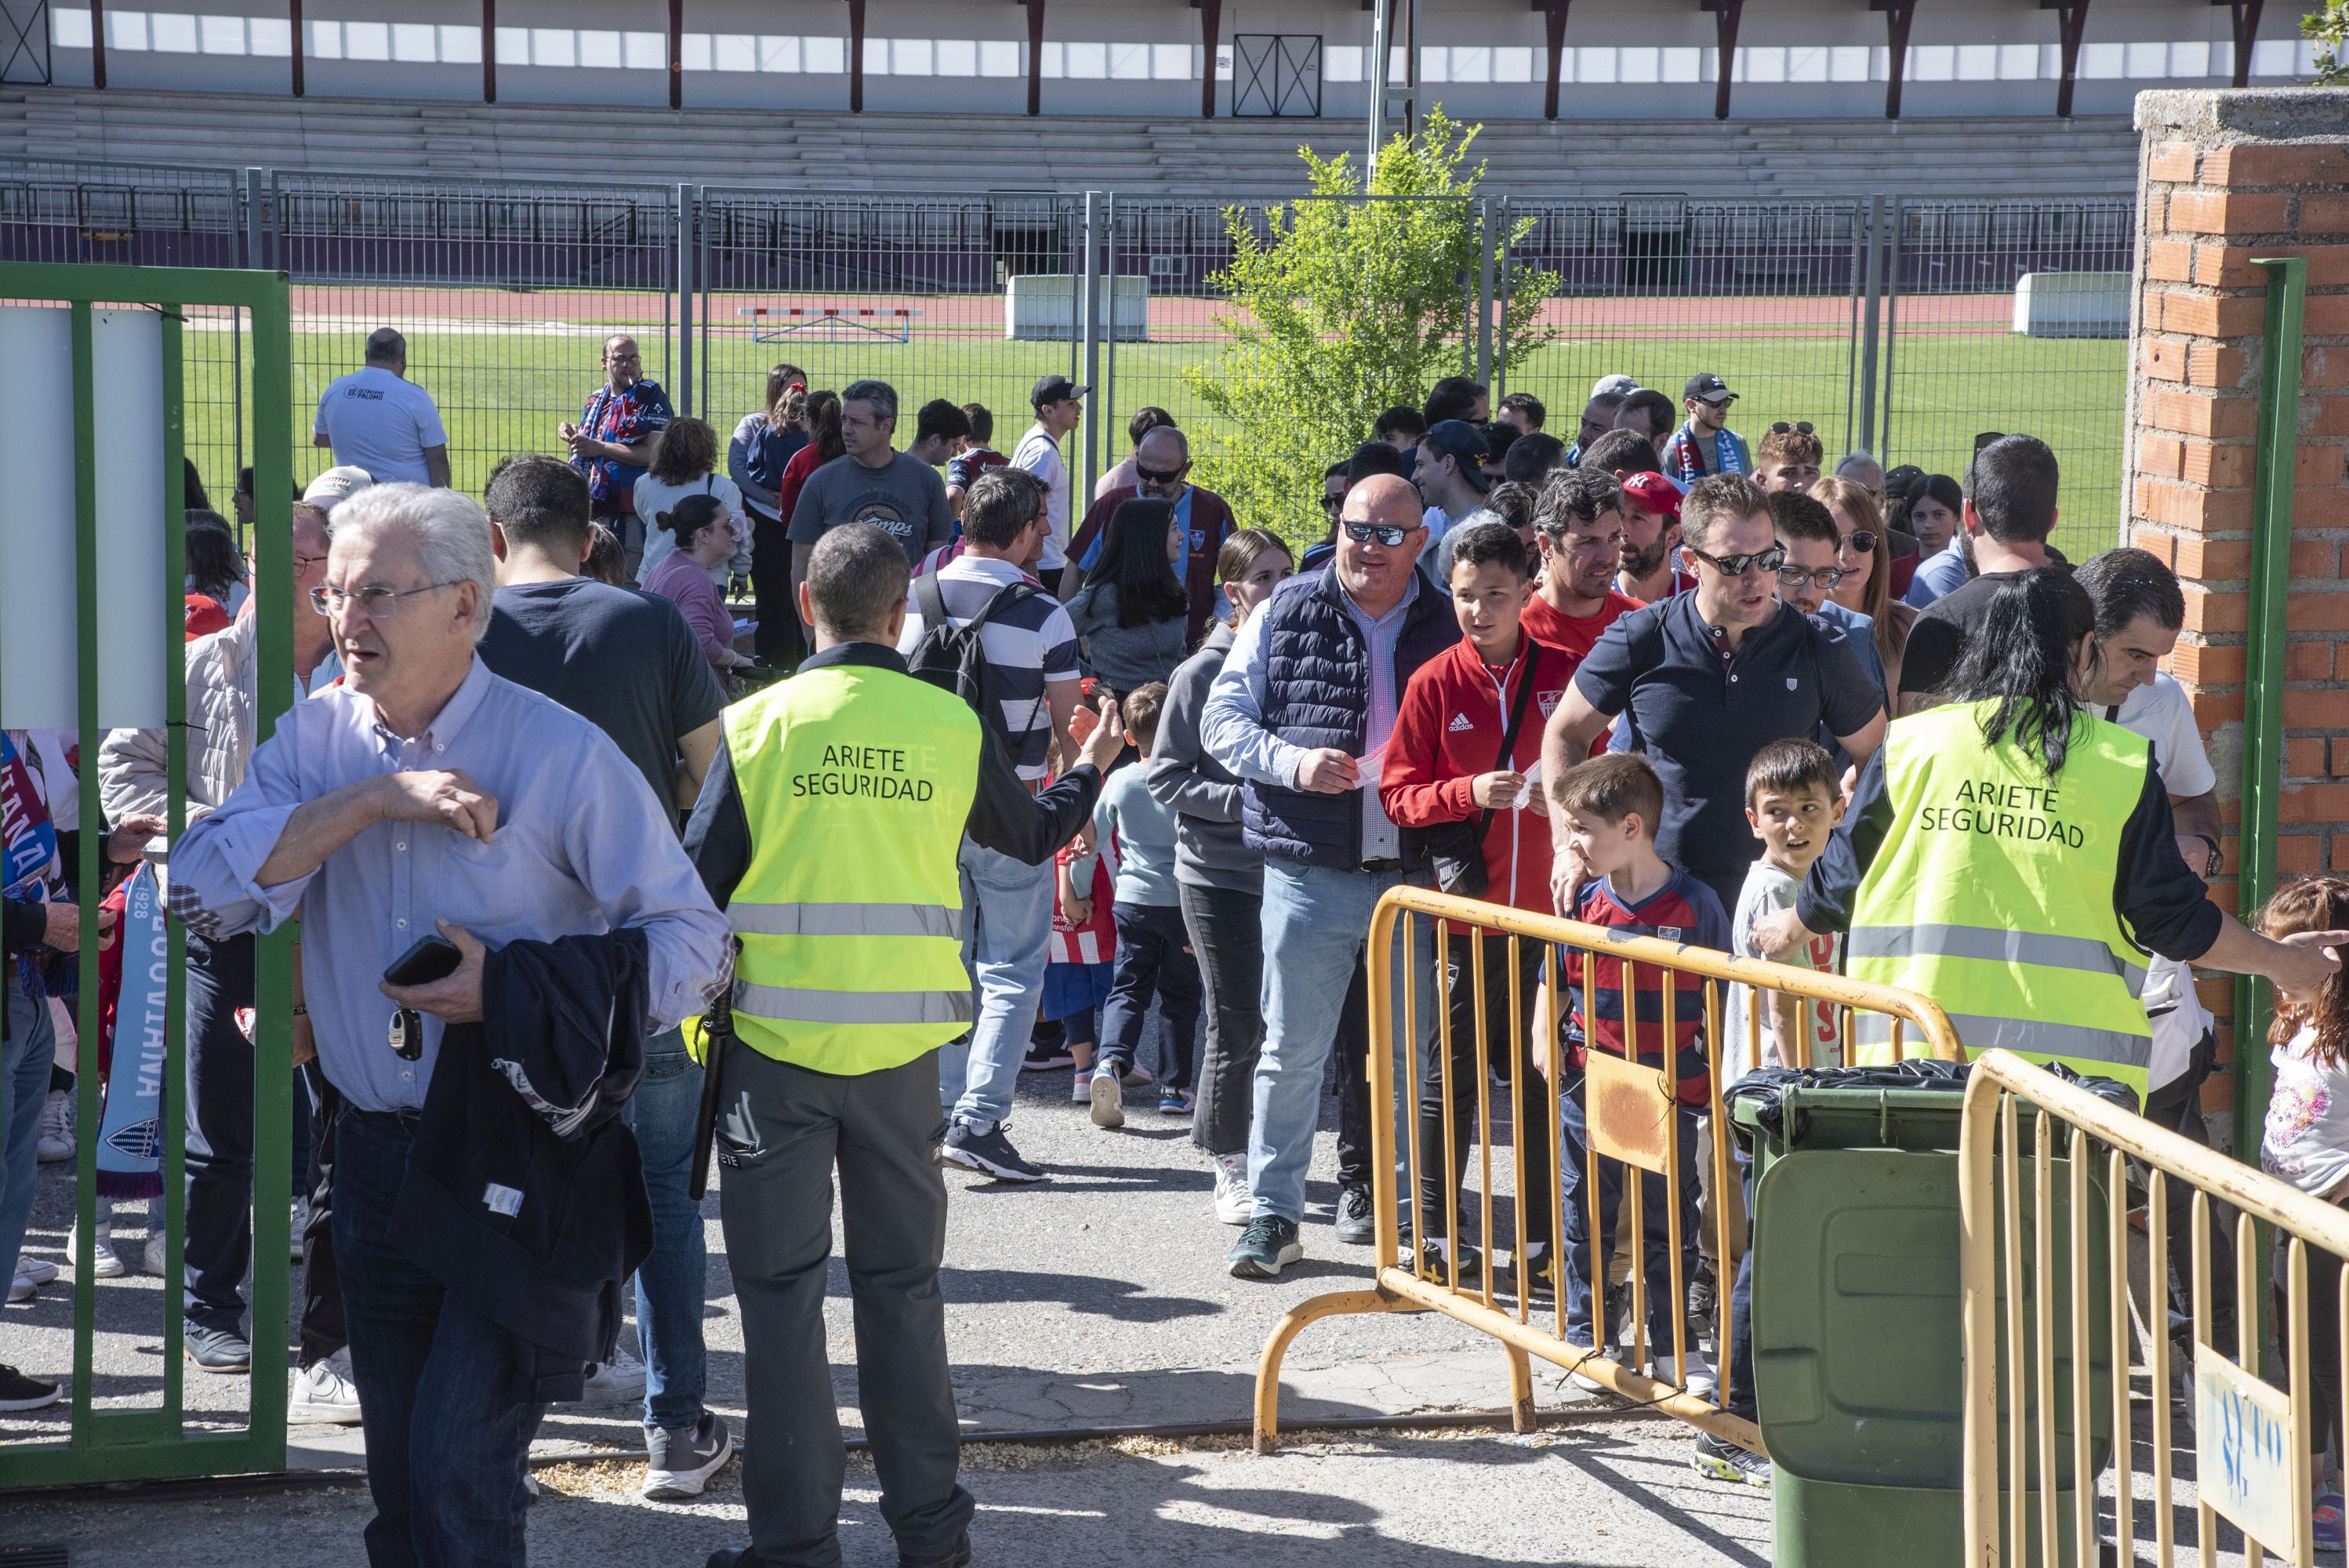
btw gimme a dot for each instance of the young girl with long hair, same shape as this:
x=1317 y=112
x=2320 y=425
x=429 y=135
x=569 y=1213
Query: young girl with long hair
x=1131 y=616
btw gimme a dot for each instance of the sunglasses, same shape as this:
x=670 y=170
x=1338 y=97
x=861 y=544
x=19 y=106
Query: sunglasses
x=1769 y=560
x=1799 y=428
x=1160 y=476
x=1333 y=502
x=1861 y=542
x=1825 y=576
x=1387 y=533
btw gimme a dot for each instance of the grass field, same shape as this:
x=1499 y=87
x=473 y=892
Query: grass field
x=504 y=382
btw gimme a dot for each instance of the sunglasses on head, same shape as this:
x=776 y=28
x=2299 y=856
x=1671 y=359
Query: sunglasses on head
x=1769 y=560
x=1387 y=533
x=1799 y=428
x=1159 y=475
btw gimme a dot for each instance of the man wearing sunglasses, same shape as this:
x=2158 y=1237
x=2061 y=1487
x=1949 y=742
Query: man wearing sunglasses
x=1711 y=676
x=1302 y=712
x=1162 y=471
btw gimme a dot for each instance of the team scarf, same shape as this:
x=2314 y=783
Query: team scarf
x=29 y=868
x=135 y=1024
x=1688 y=458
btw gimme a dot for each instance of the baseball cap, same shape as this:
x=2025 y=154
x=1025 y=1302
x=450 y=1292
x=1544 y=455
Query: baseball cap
x=337 y=485
x=1907 y=480
x=1707 y=387
x=1054 y=389
x=1463 y=443
x=1616 y=385
x=1655 y=494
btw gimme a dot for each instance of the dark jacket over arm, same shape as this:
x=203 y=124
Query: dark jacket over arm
x=26 y=921
x=2164 y=904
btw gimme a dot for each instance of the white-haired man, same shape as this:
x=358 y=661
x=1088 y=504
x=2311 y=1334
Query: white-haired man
x=424 y=795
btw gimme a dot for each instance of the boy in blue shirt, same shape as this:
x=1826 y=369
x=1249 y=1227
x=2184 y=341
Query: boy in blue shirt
x=1154 y=953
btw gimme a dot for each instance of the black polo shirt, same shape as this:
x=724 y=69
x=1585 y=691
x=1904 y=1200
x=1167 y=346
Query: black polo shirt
x=1700 y=720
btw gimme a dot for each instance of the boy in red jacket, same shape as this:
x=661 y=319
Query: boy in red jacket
x=1447 y=764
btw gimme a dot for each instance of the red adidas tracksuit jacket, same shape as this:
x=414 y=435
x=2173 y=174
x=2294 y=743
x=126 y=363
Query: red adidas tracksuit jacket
x=1448 y=730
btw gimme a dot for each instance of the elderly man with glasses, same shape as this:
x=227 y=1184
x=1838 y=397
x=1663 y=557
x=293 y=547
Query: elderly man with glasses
x=486 y=1201
x=1203 y=520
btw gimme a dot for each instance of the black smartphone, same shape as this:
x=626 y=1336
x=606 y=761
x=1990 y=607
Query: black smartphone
x=433 y=958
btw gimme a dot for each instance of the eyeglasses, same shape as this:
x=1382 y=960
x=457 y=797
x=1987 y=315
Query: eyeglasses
x=1769 y=560
x=1160 y=476
x=301 y=562
x=1861 y=542
x=375 y=604
x=1799 y=428
x=1387 y=533
x=1798 y=577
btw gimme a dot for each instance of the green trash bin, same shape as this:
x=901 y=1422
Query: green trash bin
x=1857 y=1347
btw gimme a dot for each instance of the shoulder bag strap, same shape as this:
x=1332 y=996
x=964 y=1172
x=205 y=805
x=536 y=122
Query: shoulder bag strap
x=1509 y=735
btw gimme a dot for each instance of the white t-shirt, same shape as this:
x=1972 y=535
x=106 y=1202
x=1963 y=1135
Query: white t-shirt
x=654 y=498
x=2306 y=1138
x=1038 y=452
x=2161 y=713
x=1767 y=891
x=382 y=423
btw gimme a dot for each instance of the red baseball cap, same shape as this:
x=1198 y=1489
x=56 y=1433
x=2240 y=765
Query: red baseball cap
x=1655 y=494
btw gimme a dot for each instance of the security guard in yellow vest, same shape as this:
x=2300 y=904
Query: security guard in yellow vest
x=2011 y=856
x=827 y=830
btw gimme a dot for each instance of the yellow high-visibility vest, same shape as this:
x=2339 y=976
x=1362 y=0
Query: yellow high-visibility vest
x=1992 y=893
x=856 y=782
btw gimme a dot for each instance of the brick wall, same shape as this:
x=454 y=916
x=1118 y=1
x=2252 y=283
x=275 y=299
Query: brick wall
x=2225 y=176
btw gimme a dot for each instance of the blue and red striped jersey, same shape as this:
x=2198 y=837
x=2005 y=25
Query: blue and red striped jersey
x=1684 y=910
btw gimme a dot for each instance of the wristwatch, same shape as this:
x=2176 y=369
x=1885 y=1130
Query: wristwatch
x=2216 y=859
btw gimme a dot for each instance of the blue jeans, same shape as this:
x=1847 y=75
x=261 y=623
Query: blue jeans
x=24 y=1064
x=1655 y=1213
x=1007 y=913
x=1316 y=924
x=447 y=1441
x=672 y=1283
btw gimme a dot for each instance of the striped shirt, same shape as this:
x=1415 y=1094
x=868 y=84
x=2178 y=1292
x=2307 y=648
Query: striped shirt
x=1684 y=910
x=1028 y=648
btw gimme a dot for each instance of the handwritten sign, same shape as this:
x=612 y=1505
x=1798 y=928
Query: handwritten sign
x=2243 y=1449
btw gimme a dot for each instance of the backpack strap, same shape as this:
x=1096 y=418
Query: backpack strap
x=1010 y=593
x=931 y=602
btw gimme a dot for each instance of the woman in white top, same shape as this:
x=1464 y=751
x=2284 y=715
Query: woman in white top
x=686 y=465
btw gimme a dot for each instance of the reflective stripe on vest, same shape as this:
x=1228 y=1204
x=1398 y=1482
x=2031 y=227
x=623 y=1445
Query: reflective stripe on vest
x=1992 y=892
x=855 y=780
x=809 y=1006
x=846 y=919
x=1996 y=943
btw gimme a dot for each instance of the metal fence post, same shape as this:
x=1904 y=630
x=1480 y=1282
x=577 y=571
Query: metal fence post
x=2263 y=662
x=702 y=286
x=1088 y=328
x=256 y=219
x=1105 y=395
x=1872 y=267
x=1502 y=293
x=1484 y=289
x=684 y=282
x=1891 y=336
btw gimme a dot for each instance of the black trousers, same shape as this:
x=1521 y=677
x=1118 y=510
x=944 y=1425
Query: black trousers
x=779 y=640
x=1227 y=931
x=1472 y=1096
x=783 y=1132
x=1351 y=1053
x=2178 y=1107
x=1153 y=959
x=219 y=1162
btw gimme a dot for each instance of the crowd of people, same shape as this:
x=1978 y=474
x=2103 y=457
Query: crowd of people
x=1041 y=771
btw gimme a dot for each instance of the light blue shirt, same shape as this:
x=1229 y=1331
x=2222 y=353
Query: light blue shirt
x=1937 y=576
x=1232 y=727
x=581 y=847
x=1137 y=834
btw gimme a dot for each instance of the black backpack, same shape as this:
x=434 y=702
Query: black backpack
x=951 y=657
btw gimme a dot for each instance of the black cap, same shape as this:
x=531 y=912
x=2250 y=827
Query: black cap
x=1054 y=389
x=1463 y=443
x=1708 y=387
x=1908 y=480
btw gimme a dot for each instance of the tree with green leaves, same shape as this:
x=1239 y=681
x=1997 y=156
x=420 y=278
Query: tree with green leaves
x=2330 y=29
x=1344 y=303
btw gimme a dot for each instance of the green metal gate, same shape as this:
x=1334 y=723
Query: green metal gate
x=249 y=310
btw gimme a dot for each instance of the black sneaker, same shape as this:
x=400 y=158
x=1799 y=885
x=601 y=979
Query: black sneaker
x=959 y=1556
x=990 y=1154
x=1436 y=1269
x=221 y=1350
x=1045 y=1052
x=1358 y=1221
x=18 y=1392
x=1717 y=1459
x=1703 y=1297
x=1269 y=1245
x=678 y=1464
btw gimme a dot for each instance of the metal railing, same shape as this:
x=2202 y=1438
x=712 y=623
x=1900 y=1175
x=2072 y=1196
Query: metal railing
x=1633 y=1113
x=2032 y=1255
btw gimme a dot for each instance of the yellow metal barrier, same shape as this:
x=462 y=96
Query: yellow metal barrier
x=2252 y=1437
x=1629 y=1114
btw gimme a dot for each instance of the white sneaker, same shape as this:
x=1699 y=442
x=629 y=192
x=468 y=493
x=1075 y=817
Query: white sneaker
x=1233 y=1204
x=1700 y=1372
x=1084 y=1090
x=1106 y=1095
x=156 y=1249
x=325 y=1394
x=36 y=1271
x=19 y=1289
x=621 y=1377
x=301 y=1223
x=105 y=1262
x=57 y=1136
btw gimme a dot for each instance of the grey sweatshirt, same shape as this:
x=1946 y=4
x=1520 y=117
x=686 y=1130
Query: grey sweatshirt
x=1204 y=794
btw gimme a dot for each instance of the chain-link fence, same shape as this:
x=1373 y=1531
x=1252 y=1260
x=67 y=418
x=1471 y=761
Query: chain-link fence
x=1887 y=323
